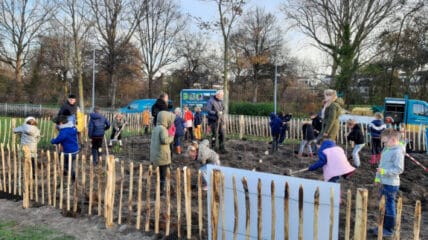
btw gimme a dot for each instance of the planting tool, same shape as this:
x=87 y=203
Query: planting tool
x=291 y=173
x=417 y=162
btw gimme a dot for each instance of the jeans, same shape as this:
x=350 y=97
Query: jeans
x=306 y=143
x=275 y=142
x=356 y=154
x=390 y=193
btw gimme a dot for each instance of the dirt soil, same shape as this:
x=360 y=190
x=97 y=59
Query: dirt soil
x=246 y=155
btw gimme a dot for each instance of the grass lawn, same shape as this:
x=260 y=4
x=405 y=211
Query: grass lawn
x=11 y=230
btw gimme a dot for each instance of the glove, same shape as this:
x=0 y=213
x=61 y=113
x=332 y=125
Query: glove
x=171 y=131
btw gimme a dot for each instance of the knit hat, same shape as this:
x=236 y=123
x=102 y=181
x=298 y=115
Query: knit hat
x=72 y=96
x=29 y=119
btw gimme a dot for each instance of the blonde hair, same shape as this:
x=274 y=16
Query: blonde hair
x=177 y=110
x=330 y=92
x=378 y=115
x=391 y=133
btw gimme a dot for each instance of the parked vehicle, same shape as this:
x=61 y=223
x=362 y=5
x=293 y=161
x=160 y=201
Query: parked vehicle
x=406 y=111
x=139 y=105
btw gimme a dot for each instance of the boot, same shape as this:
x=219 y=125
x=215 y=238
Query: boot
x=110 y=143
x=373 y=159
x=378 y=156
x=388 y=226
x=178 y=150
x=120 y=143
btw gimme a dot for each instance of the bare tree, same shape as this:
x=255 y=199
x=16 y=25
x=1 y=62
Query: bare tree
x=116 y=22
x=157 y=34
x=20 y=23
x=75 y=20
x=259 y=41
x=228 y=13
x=340 y=28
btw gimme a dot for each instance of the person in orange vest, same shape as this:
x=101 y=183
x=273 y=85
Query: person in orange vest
x=146 y=120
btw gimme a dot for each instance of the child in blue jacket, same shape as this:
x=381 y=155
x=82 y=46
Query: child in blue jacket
x=275 y=127
x=179 y=130
x=67 y=138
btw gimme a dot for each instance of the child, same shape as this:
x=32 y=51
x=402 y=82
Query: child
x=356 y=135
x=197 y=122
x=204 y=155
x=275 y=127
x=116 y=134
x=188 y=122
x=333 y=161
x=388 y=175
x=146 y=120
x=30 y=136
x=179 y=132
x=376 y=127
x=308 y=137
x=98 y=124
x=67 y=137
x=317 y=126
x=162 y=137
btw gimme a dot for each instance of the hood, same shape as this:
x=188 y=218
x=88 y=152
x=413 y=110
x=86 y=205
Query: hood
x=340 y=102
x=165 y=119
x=66 y=125
x=272 y=116
x=95 y=115
x=327 y=144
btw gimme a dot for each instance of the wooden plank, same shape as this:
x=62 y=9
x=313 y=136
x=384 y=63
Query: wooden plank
x=187 y=200
x=157 y=201
x=110 y=190
x=91 y=185
x=381 y=218
x=27 y=176
x=49 y=184
x=200 y=205
x=331 y=214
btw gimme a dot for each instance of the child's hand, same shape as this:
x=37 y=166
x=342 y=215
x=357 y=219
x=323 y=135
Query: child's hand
x=171 y=131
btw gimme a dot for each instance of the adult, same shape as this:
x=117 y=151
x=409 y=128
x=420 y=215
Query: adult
x=330 y=124
x=215 y=108
x=285 y=118
x=69 y=109
x=161 y=104
x=97 y=126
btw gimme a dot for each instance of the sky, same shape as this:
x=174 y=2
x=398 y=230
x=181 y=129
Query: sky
x=298 y=44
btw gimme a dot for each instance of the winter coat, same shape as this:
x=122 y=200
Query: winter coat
x=275 y=124
x=146 y=117
x=118 y=123
x=330 y=124
x=308 y=132
x=160 y=152
x=197 y=119
x=30 y=136
x=97 y=125
x=215 y=108
x=179 y=126
x=376 y=128
x=207 y=155
x=392 y=162
x=188 y=118
x=80 y=121
x=160 y=105
x=67 y=137
x=356 y=135
x=333 y=160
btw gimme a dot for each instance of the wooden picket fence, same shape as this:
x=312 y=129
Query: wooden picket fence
x=237 y=125
x=129 y=193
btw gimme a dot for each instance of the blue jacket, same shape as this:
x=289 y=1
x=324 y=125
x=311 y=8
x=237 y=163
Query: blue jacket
x=275 y=124
x=197 y=119
x=179 y=126
x=97 y=125
x=376 y=127
x=67 y=137
x=322 y=158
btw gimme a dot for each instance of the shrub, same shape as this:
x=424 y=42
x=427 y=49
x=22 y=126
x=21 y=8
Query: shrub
x=252 y=109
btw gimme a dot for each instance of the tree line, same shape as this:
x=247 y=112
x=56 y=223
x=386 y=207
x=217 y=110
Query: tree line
x=139 y=48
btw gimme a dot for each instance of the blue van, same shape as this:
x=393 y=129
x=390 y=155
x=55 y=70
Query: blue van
x=139 y=105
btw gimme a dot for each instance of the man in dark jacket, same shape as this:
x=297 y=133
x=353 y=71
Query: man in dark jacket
x=285 y=118
x=161 y=104
x=69 y=108
x=98 y=124
x=215 y=109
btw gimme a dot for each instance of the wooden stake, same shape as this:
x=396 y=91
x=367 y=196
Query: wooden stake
x=20 y=161
x=27 y=176
x=83 y=189
x=61 y=173
x=69 y=181
x=236 y=209
x=14 y=156
x=130 y=193
x=157 y=201
x=91 y=185
x=301 y=201
x=360 y=228
x=140 y=198
x=417 y=220
x=168 y=201
x=36 y=180
x=397 y=228
x=9 y=170
x=316 y=212
x=188 y=202
x=247 y=208
x=200 y=207
x=110 y=190
x=48 y=170
x=122 y=177
x=148 y=200
x=178 y=192
x=259 y=210
x=381 y=218
x=287 y=211
x=55 y=178
x=348 y=215
x=3 y=167
x=331 y=213
x=42 y=177
x=76 y=180
x=223 y=211
x=99 y=188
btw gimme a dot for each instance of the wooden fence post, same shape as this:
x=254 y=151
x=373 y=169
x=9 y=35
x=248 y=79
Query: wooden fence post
x=178 y=192
x=381 y=218
x=301 y=200
x=417 y=220
x=398 y=219
x=140 y=197
x=215 y=202
x=48 y=170
x=148 y=199
x=157 y=200
x=168 y=201
x=200 y=205
x=109 y=191
x=91 y=185
x=122 y=177
x=3 y=167
x=241 y=126
x=27 y=176
x=188 y=201
x=259 y=210
x=331 y=213
x=247 y=207
x=287 y=211
x=348 y=215
x=316 y=212
x=360 y=228
x=130 y=191
x=273 y=210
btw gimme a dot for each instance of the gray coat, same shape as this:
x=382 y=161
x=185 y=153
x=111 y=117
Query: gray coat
x=392 y=161
x=30 y=136
x=207 y=155
x=160 y=153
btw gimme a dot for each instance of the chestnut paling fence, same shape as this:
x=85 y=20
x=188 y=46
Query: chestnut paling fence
x=237 y=125
x=129 y=193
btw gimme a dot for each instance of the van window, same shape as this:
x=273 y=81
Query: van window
x=420 y=109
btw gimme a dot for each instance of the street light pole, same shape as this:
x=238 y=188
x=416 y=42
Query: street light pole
x=275 y=87
x=93 y=80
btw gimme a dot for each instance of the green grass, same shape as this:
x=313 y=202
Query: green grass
x=10 y=230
